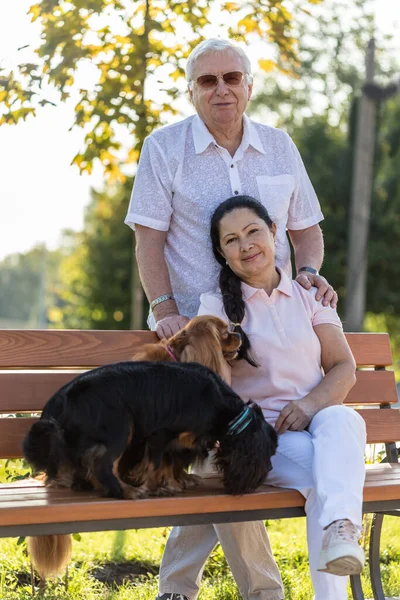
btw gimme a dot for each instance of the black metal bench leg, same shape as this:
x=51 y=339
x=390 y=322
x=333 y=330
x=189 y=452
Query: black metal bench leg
x=356 y=587
x=374 y=556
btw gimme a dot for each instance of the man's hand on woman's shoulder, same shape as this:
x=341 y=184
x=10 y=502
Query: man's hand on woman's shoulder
x=325 y=290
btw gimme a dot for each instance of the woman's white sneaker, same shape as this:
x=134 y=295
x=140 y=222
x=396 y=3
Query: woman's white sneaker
x=341 y=553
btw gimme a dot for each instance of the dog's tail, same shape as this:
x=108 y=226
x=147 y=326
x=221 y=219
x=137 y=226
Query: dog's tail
x=50 y=553
x=44 y=446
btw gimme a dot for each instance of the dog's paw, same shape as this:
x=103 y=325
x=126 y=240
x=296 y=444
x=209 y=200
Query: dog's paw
x=165 y=490
x=189 y=481
x=135 y=493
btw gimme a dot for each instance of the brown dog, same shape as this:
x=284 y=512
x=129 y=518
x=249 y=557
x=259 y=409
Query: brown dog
x=205 y=339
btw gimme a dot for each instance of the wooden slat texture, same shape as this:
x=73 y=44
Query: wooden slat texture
x=29 y=392
x=12 y=433
x=66 y=348
x=383 y=425
x=37 y=505
x=373 y=387
x=370 y=349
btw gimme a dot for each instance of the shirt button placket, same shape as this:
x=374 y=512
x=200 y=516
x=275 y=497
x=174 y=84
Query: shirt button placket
x=278 y=325
x=234 y=177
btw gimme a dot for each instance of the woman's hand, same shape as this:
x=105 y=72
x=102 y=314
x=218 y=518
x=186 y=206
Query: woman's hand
x=296 y=415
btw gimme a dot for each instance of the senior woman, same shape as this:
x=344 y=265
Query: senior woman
x=296 y=364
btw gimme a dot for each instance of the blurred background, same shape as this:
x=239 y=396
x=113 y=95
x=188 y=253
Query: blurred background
x=83 y=83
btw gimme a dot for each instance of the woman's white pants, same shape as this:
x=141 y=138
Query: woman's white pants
x=326 y=464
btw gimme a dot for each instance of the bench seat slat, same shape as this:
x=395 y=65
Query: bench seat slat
x=36 y=507
x=75 y=348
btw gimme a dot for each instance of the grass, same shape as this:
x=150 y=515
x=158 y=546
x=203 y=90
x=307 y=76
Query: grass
x=124 y=566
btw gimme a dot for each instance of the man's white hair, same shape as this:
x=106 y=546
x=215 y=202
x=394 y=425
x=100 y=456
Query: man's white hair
x=215 y=45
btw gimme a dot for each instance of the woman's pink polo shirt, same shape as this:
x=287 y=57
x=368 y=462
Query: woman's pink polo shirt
x=283 y=342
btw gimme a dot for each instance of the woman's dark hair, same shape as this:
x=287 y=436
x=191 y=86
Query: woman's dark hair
x=229 y=282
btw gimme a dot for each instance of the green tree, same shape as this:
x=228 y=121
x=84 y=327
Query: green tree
x=26 y=286
x=330 y=70
x=93 y=290
x=383 y=290
x=129 y=44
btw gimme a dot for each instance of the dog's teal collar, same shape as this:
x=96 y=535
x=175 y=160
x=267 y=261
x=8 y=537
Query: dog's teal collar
x=240 y=423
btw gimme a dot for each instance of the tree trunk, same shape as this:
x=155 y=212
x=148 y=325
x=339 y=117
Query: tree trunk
x=361 y=204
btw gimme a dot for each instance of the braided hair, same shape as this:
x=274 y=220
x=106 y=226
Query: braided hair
x=229 y=282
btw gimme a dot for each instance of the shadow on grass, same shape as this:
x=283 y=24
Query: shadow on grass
x=114 y=574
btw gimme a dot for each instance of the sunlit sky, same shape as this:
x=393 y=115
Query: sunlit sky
x=40 y=192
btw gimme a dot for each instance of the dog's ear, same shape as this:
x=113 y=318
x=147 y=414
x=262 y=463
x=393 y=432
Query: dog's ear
x=194 y=353
x=245 y=459
x=206 y=350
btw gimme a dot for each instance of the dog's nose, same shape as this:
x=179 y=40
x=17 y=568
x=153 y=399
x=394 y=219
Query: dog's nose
x=237 y=335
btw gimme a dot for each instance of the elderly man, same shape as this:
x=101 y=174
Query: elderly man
x=185 y=171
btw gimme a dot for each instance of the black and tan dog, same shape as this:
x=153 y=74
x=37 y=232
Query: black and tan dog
x=138 y=417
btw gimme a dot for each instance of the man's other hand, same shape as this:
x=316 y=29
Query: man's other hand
x=170 y=325
x=325 y=291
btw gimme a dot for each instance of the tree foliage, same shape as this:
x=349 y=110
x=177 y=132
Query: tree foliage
x=330 y=69
x=27 y=287
x=93 y=291
x=114 y=52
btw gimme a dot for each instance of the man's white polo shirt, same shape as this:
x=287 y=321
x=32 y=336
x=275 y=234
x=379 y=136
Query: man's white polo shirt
x=183 y=175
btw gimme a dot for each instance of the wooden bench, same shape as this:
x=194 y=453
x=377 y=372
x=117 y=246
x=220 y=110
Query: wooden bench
x=34 y=364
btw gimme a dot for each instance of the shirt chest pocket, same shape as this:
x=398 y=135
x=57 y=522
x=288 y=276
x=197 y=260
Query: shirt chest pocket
x=275 y=193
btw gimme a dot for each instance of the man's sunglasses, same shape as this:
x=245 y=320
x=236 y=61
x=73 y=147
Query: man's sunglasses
x=232 y=78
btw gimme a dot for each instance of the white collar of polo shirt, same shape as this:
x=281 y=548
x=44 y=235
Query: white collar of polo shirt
x=285 y=286
x=202 y=138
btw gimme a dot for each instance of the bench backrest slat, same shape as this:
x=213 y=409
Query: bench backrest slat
x=74 y=348
x=68 y=348
x=382 y=426
x=12 y=433
x=29 y=391
x=373 y=387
